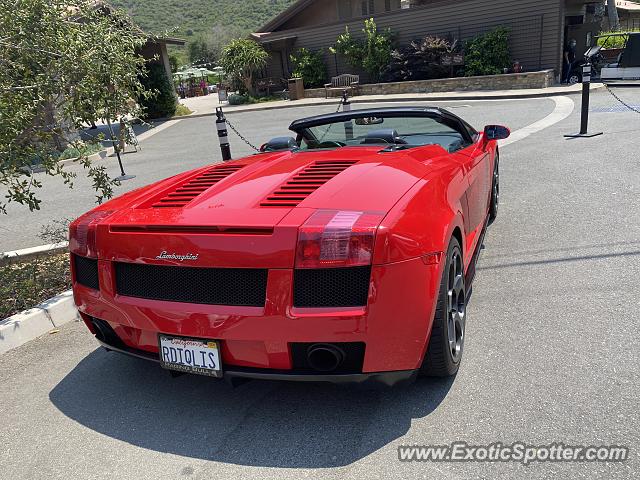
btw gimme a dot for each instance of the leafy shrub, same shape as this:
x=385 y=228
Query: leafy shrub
x=164 y=101
x=420 y=60
x=236 y=99
x=488 y=54
x=371 y=54
x=81 y=149
x=182 y=110
x=309 y=66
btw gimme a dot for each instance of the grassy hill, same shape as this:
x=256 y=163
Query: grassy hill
x=191 y=18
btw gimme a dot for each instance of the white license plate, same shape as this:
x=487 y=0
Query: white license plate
x=190 y=355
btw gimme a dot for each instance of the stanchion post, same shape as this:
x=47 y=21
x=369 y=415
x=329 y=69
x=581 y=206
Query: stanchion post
x=116 y=148
x=346 y=107
x=221 y=127
x=584 y=115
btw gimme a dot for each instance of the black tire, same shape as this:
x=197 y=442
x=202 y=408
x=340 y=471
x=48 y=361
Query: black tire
x=443 y=355
x=574 y=78
x=495 y=190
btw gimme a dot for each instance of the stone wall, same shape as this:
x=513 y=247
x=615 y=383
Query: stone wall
x=509 y=81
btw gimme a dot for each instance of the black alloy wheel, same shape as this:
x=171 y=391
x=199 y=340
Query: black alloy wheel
x=446 y=344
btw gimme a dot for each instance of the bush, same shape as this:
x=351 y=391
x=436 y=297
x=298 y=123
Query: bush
x=488 y=54
x=310 y=67
x=236 y=99
x=182 y=110
x=371 y=54
x=420 y=60
x=81 y=149
x=164 y=101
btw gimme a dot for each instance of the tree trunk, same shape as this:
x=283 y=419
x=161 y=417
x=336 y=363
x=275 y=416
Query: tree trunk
x=614 y=21
x=248 y=82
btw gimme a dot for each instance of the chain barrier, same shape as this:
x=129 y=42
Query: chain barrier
x=240 y=135
x=613 y=94
x=235 y=130
x=331 y=124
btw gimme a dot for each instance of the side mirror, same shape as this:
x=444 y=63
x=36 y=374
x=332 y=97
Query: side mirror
x=496 y=132
x=279 y=143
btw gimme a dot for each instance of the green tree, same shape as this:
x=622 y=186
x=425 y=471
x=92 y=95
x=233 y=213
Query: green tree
x=488 y=54
x=164 y=101
x=199 y=52
x=173 y=61
x=63 y=63
x=309 y=66
x=241 y=58
x=372 y=54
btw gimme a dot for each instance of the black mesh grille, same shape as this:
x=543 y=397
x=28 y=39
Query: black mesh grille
x=86 y=271
x=331 y=287
x=211 y=286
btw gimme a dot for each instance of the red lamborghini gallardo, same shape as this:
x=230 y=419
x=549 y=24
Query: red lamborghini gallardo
x=345 y=254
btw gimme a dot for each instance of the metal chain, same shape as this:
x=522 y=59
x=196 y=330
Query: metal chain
x=251 y=144
x=331 y=124
x=240 y=135
x=633 y=109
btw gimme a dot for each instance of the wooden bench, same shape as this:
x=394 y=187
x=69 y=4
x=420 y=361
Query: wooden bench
x=346 y=81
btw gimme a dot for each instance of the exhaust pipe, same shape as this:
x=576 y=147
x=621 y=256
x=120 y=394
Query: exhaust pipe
x=325 y=357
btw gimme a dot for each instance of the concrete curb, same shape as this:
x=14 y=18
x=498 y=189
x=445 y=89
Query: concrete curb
x=417 y=97
x=33 y=252
x=30 y=324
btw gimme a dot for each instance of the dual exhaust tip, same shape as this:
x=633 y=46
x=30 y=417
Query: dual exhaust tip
x=325 y=357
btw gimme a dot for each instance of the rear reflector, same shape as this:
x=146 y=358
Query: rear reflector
x=332 y=238
x=82 y=233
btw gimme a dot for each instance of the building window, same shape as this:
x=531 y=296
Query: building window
x=368 y=7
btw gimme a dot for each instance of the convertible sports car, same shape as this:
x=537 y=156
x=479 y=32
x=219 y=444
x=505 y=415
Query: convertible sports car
x=345 y=254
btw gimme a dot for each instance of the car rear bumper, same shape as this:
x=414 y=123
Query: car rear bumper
x=365 y=379
x=259 y=342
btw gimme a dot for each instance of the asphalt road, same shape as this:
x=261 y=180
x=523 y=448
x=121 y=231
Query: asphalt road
x=551 y=352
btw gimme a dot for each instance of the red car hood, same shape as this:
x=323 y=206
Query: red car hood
x=225 y=214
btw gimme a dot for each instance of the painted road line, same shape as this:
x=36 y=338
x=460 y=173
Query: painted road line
x=564 y=108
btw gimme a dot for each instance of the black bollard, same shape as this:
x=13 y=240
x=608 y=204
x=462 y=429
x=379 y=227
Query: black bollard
x=346 y=107
x=116 y=147
x=221 y=126
x=584 y=116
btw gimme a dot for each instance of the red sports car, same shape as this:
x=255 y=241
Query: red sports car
x=345 y=254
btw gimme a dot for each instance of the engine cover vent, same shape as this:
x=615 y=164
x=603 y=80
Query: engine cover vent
x=304 y=183
x=189 y=190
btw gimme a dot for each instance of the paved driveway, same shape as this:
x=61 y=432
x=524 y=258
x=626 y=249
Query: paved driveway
x=552 y=352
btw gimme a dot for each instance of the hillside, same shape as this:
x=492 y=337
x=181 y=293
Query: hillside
x=194 y=17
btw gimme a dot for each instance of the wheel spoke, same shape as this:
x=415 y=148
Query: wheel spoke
x=458 y=284
x=451 y=334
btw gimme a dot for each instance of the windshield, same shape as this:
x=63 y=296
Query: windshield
x=400 y=131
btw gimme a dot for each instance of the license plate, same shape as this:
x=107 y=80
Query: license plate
x=190 y=355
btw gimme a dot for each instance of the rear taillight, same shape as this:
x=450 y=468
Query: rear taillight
x=331 y=238
x=82 y=233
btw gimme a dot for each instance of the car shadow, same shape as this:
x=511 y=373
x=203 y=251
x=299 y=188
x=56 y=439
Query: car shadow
x=272 y=424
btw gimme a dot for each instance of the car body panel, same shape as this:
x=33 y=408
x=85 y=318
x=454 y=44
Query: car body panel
x=425 y=195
